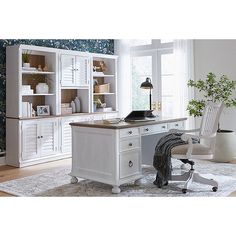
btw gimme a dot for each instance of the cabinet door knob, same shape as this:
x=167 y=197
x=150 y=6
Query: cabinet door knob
x=130 y=144
x=176 y=125
x=41 y=137
x=38 y=137
x=130 y=132
x=163 y=127
x=147 y=129
x=130 y=164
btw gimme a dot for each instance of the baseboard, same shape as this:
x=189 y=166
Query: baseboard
x=2 y=161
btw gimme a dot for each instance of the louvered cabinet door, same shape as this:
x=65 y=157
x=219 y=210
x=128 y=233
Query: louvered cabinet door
x=67 y=71
x=82 y=71
x=66 y=136
x=30 y=141
x=48 y=137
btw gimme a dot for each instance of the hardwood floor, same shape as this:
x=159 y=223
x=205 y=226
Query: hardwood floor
x=9 y=173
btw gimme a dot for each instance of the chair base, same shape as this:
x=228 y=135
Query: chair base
x=193 y=176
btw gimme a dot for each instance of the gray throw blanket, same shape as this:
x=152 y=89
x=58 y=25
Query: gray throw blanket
x=162 y=156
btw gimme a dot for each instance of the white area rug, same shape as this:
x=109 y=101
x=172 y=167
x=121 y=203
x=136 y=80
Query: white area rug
x=57 y=183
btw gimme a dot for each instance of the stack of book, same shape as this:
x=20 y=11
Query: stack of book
x=26 y=109
x=66 y=109
x=26 y=90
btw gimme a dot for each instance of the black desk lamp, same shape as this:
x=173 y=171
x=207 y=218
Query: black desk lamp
x=148 y=85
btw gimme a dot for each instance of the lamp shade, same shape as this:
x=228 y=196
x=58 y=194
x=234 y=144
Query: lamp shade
x=147 y=84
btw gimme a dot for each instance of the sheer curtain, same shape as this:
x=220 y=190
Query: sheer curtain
x=183 y=53
x=122 y=49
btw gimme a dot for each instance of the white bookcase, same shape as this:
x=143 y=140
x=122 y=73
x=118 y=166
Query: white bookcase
x=69 y=74
x=109 y=76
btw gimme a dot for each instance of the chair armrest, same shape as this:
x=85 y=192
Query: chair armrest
x=189 y=138
x=183 y=131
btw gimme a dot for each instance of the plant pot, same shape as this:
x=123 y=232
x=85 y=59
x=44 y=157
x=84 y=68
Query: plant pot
x=225 y=147
x=26 y=65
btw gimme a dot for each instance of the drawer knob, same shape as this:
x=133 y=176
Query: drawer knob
x=176 y=125
x=41 y=137
x=38 y=137
x=130 y=144
x=130 y=132
x=147 y=129
x=163 y=127
x=130 y=164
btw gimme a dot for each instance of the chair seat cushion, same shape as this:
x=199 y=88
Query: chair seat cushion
x=198 y=149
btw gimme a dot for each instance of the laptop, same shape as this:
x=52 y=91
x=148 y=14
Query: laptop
x=139 y=115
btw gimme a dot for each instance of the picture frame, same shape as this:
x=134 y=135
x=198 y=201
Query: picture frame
x=43 y=110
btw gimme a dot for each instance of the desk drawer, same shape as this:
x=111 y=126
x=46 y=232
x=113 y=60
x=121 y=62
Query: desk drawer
x=129 y=132
x=176 y=125
x=129 y=144
x=149 y=129
x=130 y=163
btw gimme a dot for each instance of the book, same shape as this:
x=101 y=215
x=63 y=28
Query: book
x=30 y=113
x=24 y=109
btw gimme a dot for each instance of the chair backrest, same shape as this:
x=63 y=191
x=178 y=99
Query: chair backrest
x=210 y=119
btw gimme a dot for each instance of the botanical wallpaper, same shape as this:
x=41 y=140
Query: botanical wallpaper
x=105 y=46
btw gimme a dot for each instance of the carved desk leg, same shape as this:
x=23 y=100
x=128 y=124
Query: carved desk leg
x=74 y=180
x=115 y=189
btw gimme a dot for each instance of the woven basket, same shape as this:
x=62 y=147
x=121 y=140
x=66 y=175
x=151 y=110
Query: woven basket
x=102 y=88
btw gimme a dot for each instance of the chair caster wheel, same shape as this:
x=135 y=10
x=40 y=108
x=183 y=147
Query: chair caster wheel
x=214 y=189
x=184 y=190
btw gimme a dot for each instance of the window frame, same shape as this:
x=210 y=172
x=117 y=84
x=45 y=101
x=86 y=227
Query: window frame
x=155 y=50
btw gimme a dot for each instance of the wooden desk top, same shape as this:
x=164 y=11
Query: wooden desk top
x=122 y=125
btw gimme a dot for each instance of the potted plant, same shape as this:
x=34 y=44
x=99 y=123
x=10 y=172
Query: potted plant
x=26 y=59
x=216 y=90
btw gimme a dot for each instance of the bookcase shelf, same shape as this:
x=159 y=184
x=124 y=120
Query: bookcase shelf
x=38 y=94
x=38 y=72
x=102 y=76
x=98 y=94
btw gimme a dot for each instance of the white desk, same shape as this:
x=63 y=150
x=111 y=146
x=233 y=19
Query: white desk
x=112 y=153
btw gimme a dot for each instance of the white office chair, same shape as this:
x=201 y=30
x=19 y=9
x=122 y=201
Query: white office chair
x=207 y=134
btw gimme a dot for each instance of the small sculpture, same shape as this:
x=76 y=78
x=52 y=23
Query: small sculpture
x=103 y=66
x=45 y=68
x=39 y=68
x=99 y=103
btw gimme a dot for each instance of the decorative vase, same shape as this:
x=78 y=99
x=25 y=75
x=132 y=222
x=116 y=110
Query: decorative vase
x=73 y=106
x=77 y=104
x=26 y=65
x=42 y=88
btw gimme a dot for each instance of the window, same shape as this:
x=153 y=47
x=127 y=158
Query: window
x=141 y=69
x=168 y=85
x=156 y=61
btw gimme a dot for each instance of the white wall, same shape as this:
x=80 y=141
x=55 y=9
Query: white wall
x=218 y=57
